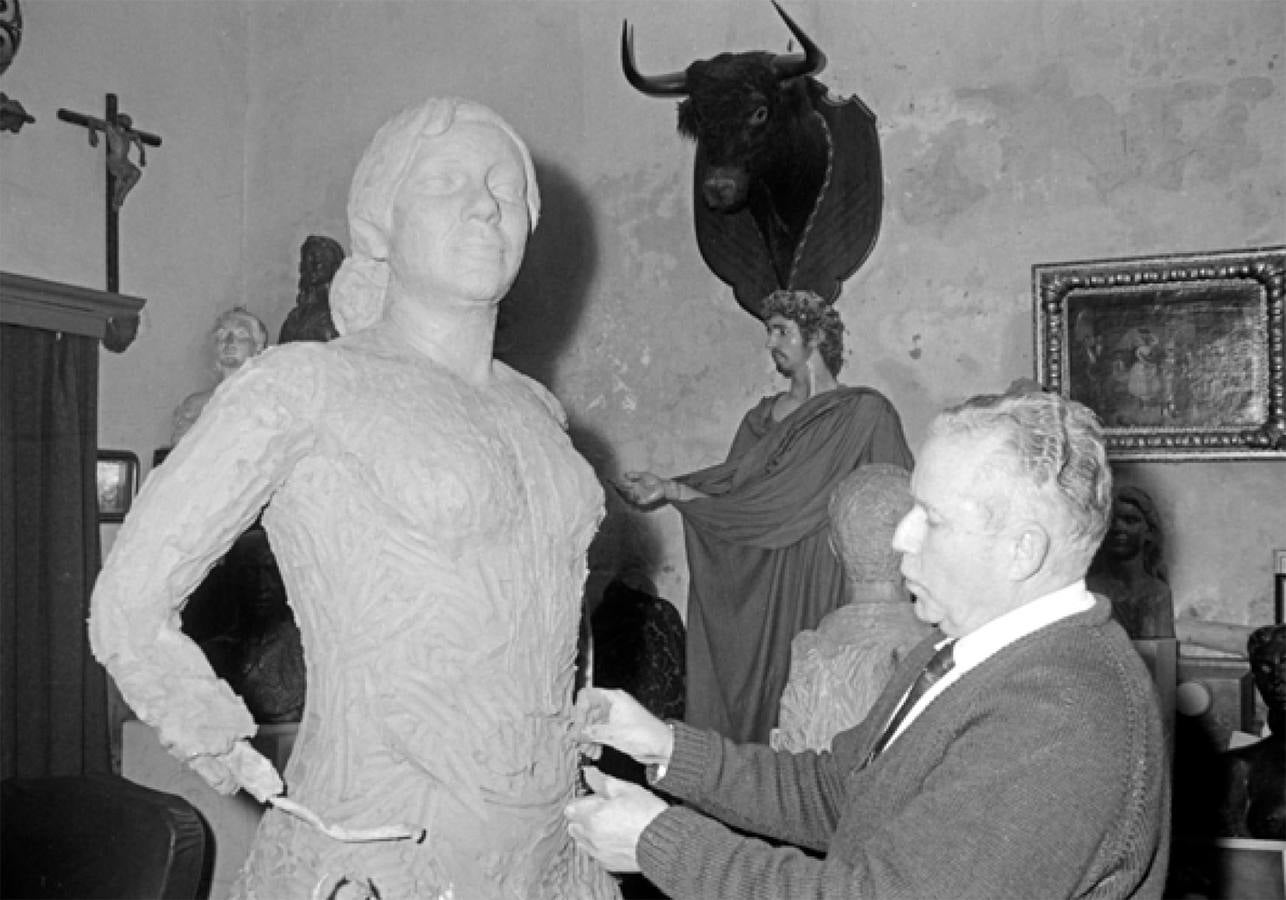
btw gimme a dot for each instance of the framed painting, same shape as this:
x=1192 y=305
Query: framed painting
x=1181 y=355
x=117 y=476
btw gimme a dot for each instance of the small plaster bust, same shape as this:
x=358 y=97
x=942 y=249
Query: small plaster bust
x=237 y=335
x=838 y=671
x=1128 y=567
x=319 y=259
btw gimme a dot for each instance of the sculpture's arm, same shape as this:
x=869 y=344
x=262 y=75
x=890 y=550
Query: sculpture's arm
x=187 y=515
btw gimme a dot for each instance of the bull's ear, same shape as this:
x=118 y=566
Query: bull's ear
x=688 y=120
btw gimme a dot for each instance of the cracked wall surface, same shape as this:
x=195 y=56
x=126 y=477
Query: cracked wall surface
x=1013 y=133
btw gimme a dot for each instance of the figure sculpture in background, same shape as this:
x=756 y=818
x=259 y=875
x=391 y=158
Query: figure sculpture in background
x=1255 y=774
x=760 y=565
x=431 y=519
x=238 y=335
x=1128 y=568
x=837 y=671
x=310 y=319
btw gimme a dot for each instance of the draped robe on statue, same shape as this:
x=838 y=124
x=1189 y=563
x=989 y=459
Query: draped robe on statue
x=760 y=565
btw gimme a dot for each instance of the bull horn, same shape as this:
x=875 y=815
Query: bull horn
x=674 y=84
x=793 y=65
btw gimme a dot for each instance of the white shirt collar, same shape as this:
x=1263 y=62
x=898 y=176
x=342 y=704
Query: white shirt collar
x=1033 y=615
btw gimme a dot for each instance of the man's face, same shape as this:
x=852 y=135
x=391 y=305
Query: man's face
x=234 y=343
x=953 y=564
x=789 y=350
x=460 y=218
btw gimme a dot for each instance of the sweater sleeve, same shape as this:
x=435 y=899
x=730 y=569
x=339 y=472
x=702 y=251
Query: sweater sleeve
x=789 y=797
x=1014 y=791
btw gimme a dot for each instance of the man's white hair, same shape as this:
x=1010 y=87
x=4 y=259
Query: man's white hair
x=1052 y=454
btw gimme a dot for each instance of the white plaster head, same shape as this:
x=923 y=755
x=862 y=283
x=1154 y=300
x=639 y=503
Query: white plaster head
x=238 y=334
x=357 y=293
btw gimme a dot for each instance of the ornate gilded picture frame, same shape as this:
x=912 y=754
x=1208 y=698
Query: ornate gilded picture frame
x=1180 y=355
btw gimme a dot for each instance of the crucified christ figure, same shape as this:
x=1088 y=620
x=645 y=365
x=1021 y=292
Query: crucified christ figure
x=120 y=137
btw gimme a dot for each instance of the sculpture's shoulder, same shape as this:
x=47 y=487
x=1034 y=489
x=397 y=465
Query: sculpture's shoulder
x=864 y=399
x=537 y=392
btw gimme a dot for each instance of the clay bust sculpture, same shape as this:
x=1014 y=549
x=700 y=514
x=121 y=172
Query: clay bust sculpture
x=310 y=319
x=237 y=335
x=1128 y=567
x=1255 y=775
x=431 y=520
x=837 y=671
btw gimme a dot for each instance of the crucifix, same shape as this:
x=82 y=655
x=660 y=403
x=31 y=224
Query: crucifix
x=122 y=174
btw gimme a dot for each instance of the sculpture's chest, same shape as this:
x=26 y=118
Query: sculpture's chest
x=429 y=454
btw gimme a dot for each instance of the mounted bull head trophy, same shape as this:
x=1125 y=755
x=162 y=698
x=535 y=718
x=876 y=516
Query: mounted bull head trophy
x=788 y=185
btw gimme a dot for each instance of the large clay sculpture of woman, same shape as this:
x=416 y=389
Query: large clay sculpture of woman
x=431 y=520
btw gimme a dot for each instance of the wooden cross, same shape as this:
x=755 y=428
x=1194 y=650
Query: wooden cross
x=122 y=174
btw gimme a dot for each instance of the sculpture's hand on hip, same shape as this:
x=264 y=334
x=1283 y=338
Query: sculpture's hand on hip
x=241 y=767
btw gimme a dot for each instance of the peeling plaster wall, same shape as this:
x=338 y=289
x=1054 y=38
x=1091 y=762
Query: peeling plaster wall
x=1012 y=132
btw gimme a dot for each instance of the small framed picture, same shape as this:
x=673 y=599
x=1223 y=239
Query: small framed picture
x=117 y=473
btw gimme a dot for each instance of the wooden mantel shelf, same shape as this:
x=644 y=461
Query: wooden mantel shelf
x=55 y=306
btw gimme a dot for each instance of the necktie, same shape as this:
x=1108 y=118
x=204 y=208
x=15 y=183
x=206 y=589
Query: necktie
x=938 y=665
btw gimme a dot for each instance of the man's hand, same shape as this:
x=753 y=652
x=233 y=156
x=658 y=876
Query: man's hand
x=642 y=488
x=618 y=720
x=607 y=823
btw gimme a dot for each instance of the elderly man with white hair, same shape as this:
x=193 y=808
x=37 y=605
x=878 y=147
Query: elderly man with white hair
x=1017 y=753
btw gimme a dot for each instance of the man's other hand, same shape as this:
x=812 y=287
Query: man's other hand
x=607 y=823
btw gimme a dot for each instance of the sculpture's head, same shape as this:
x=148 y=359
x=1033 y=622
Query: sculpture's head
x=357 y=293
x=818 y=323
x=319 y=258
x=1267 y=651
x=865 y=509
x=1135 y=529
x=238 y=335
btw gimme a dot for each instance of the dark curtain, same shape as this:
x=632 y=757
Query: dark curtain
x=52 y=693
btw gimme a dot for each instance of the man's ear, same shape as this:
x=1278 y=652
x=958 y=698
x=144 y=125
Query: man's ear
x=1030 y=548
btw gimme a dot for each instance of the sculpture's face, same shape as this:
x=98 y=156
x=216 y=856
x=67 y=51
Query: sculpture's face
x=787 y=346
x=317 y=265
x=460 y=219
x=235 y=341
x=1128 y=531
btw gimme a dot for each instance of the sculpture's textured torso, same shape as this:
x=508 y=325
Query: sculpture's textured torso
x=432 y=539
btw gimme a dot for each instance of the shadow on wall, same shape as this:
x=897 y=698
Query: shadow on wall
x=536 y=322
x=546 y=302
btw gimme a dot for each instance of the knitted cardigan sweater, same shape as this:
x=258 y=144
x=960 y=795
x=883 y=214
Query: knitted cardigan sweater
x=1041 y=773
